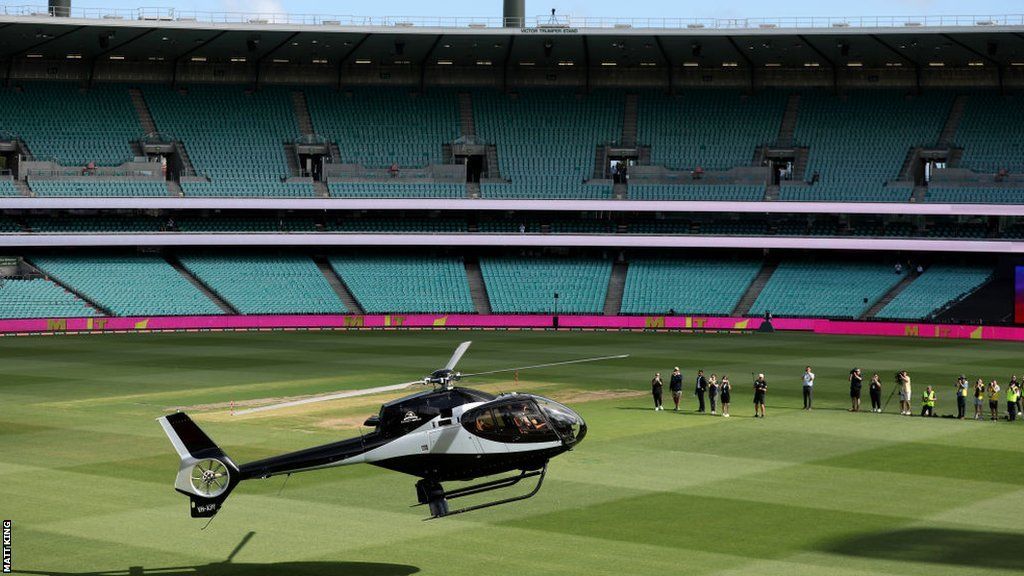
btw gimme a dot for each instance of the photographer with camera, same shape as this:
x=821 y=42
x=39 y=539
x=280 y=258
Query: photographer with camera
x=961 y=397
x=928 y=402
x=903 y=385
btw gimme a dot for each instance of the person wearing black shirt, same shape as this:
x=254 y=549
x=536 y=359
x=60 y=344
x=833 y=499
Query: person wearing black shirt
x=675 y=385
x=699 y=389
x=725 y=392
x=855 y=384
x=760 y=390
x=875 y=389
x=656 y=387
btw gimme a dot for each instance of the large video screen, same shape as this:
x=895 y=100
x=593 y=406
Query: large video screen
x=1018 y=295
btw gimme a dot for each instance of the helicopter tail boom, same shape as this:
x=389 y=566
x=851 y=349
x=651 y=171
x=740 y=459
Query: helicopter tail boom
x=205 y=473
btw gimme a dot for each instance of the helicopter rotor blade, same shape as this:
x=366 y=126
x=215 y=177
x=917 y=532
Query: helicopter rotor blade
x=457 y=355
x=331 y=396
x=562 y=363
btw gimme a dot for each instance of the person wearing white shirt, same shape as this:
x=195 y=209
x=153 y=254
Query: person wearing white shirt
x=808 y=388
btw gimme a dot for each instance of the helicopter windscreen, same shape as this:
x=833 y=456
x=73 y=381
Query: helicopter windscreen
x=569 y=425
x=526 y=419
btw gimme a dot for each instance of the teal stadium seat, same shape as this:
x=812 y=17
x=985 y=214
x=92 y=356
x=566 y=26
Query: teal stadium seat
x=40 y=298
x=397 y=190
x=406 y=284
x=820 y=289
x=697 y=192
x=7 y=188
x=376 y=127
x=686 y=285
x=527 y=285
x=974 y=195
x=859 y=142
x=93 y=224
x=93 y=187
x=991 y=132
x=129 y=285
x=72 y=126
x=936 y=288
x=716 y=129
x=267 y=284
x=546 y=139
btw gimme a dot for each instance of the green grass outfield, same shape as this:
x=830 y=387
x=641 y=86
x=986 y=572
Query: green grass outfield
x=86 y=473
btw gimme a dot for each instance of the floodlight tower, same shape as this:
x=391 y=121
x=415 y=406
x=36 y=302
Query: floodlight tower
x=515 y=13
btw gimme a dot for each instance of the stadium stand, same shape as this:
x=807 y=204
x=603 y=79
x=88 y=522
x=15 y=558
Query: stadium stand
x=72 y=126
x=715 y=129
x=939 y=286
x=376 y=127
x=129 y=285
x=697 y=192
x=93 y=224
x=93 y=187
x=556 y=165
x=401 y=225
x=521 y=285
x=266 y=284
x=246 y=224
x=9 y=226
x=974 y=195
x=7 y=188
x=704 y=286
x=40 y=298
x=990 y=133
x=233 y=137
x=858 y=142
x=828 y=289
x=405 y=283
x=396 y=190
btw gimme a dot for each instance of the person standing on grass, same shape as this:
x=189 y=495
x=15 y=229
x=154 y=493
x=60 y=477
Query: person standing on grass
x=903 y=381
x=699 y=389
x=713 y=392
x=1020 y=397
x=961 y=397
x=760 y=391
x=808 y=388
x=979 y=399
x=1012 y=395
x=993 y=400
x=675 y=386
x=726 y=395
x=875 y=392
x=856 y=380
x=656 y=387
x=928 y=402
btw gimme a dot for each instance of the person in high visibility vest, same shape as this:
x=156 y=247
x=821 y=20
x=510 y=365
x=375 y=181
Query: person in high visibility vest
x=928 y=402
x=1012 y=395
x=993 y=400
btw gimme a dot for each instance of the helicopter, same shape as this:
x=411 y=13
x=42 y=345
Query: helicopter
x=445 y=434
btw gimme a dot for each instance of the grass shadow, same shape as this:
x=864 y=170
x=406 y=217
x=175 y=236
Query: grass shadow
x=242 y=569
x=977 y=549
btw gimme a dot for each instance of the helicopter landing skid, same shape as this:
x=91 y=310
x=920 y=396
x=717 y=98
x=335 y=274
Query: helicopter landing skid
x=434 y=496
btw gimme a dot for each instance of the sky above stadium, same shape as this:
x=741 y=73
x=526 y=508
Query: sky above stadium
x=635 y=8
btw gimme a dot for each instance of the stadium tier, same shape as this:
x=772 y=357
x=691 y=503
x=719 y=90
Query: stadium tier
x=703 y=286
x=991 y=134
x=266 y=284
x=406 y=284
x=397 y=225
x=377 y=127
x=546 y=140
x=858 y=142
x=245 y=224
x=93 y=224
x=827 y=289
x=254 y=188
x=974 y=195
x=396 y=190
x=7 y=188
x=697 y=192
x=93 y=187
x=936 y=288
x=39 y=298
x=129 y=285
x=714 y=129
x=72 y=126
x=518 y=285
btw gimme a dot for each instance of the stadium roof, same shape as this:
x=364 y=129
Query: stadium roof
x=152 y=33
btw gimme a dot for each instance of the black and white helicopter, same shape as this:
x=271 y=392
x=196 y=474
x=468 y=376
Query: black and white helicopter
x=445 y=434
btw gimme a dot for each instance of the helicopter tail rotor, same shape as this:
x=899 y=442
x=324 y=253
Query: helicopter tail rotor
x=205 y=473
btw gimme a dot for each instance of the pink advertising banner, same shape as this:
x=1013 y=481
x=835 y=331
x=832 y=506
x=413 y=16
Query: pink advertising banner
x=497 y=322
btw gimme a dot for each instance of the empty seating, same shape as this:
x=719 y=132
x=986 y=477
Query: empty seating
x=129 y=285
x=267 y=284
x=991 y=133
x=712 y=128
x=73 y=126
x=246 y=224
x=7 y=188
x=974 y=195
x=697 y=192
x=833 y=289
x=376 y=127
x=40 y=298
x=93 y=224
x=93 y=187
x=546 y=140
x=939 y=286
x=255 y=188
x=701 y=286
x=859 y=142
x=396 y=190
x=398 y=224
x=524 y=285
x=406 y=283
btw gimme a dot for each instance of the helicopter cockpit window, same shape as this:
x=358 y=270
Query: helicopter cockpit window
x=513 y=422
